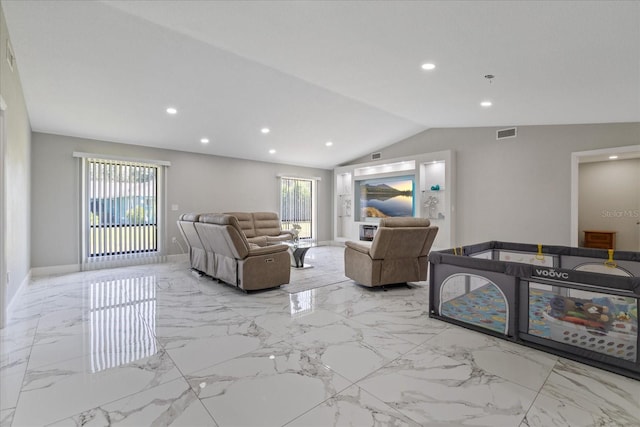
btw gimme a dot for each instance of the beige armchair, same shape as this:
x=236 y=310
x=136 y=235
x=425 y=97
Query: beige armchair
x=397 y=254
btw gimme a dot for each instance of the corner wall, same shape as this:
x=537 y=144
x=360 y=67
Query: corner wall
x=16 y=170
x=195 y=182
x=516 y=189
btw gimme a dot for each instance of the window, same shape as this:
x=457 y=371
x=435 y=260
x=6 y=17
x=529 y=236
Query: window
x=297 y=205
x=121 y=214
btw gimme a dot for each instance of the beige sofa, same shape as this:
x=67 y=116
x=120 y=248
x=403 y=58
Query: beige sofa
x=262 y=228
x=197 y=253
x=219 y=248
x=397 y=254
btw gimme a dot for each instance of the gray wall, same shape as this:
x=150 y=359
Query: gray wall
x=196 y=183
x=516 y=189
x=16 y=167
x=609 y=199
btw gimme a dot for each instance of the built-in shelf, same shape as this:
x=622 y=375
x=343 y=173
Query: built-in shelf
x=427 y=170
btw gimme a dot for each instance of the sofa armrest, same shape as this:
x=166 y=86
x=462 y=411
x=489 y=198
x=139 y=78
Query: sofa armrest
x=266 y=250
x=259 y=240
x=358 y=247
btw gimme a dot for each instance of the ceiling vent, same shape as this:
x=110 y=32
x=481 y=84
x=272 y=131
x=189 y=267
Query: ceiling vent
x=376 y=156
x=507 y=133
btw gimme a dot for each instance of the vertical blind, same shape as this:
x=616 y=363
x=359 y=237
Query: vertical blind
x=122 y=218
x=296 y=205
x=122 y=208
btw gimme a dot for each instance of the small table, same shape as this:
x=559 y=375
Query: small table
x=298 y=250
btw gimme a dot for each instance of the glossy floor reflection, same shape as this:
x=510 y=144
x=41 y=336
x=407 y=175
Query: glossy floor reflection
x=158 y=345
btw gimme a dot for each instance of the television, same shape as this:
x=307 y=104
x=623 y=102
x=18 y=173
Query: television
x=386 y=197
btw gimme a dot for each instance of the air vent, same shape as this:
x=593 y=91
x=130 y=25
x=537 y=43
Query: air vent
x=507 y=133
x=376 y=156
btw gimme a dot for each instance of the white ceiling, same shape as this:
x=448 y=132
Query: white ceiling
x=317 y=71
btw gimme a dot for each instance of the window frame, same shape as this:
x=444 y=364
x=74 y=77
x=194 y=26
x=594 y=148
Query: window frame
x=314 y=201
x=89 y=262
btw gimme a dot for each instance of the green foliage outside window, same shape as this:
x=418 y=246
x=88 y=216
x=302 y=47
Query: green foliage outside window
x=135 y=215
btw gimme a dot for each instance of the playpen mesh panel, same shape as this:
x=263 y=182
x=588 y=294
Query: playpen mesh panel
x=474 y=300
x=593 y=321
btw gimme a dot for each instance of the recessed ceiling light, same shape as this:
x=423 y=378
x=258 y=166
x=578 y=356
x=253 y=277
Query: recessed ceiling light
x=428 y=66
x=171 y=110
x=272 y=151
x=204 y=140
x=328 y=143
x=613 y=157
x=265 y=130
x=486 y=103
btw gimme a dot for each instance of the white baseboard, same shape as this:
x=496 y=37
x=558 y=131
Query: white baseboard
x=55 y=269
x=20 y=289
x=74 y=268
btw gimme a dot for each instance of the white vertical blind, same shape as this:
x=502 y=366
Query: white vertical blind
x=122 y=220
x=297 y=205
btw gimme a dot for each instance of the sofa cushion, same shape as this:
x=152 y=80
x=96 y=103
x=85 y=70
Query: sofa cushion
x=245 y=220
x=266 y=223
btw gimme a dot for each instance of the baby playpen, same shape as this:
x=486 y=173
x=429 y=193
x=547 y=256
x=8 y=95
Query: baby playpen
x=575 y=302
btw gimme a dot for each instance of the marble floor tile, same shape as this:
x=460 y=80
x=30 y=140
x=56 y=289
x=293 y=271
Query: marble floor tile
x=267 y=387
x=516 y=363
x=173 y=403
x=547 y=411
x=288 y=325
x=612 y=397
x=14 y=354
x=433 y=389
x=158 y=345
x=6 y=417
x=407 y=319
x=353 y=407
x=351 y=349
x=345 y=299
x=70 y=387
x=195 y=345
x=10 y=386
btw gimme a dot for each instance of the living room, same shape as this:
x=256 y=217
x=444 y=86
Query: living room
x=516 y=189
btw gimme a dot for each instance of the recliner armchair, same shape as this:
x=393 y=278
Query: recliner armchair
x=397 y=254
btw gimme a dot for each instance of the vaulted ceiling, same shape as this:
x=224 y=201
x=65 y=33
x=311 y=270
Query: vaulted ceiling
x=348 y=72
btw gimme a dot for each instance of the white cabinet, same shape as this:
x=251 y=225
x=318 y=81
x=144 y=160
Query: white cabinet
x=433 y=191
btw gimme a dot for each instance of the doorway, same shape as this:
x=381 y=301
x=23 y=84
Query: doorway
x=614 y=203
